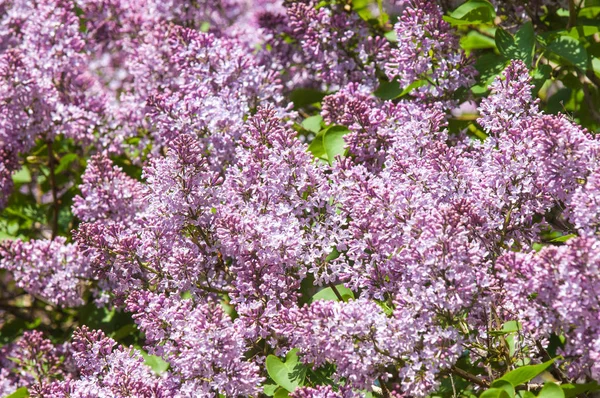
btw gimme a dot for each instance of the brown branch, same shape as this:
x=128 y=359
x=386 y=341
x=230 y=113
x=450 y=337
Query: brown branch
x=556 y=372
x=469 y=377
x=336 y=292
x=572 y=15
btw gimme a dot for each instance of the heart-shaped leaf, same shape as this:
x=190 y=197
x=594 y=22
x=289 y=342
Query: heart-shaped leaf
x=289 y=374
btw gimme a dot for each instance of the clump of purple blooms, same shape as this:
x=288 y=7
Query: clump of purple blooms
x=217 y=249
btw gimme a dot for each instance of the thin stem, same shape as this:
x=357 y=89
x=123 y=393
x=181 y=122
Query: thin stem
x=469 y=377
x=336 y=292
x=572 y=15
x=505 y=349
x=557 y=372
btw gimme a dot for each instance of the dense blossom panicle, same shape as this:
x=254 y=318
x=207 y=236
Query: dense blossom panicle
x=510 y=102
x=110 y=20
x=107 y=193
x=169 y=240
x=565 y=280
x=216 y=82
x=51 y=81
x=203 y=346
x=178 y=235
x=347 y=334
x=378 y=128
x=271 y=251
x=330 y=47
x=427 y=51
x=53 y=270
x=362 y=341
x=32 y=361
x=46 y=87
x=108 y=369
x=6 y=182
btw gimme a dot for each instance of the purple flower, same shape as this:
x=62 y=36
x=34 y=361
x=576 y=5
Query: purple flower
x=203 y=346
x=52 y=269
x=427 y=52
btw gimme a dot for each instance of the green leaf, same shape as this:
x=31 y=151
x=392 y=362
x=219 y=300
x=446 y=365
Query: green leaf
x=22 y=176
x=506 y=386
x=495 y=393
x=573 y=390
x=596 y=66
x=388 y=90
x=551 y=390
x=333 y=255
x=504 y=41
x=489 y=66
x=281 y=393
x=539 y=77
x=563 y=238
x=20 y=393
x=508 y=327
x=525 y=373
x=525 y=43
x=156 y=363
x=391 y=36
x=392 y=90
x=570 y=50
x=521 y=46
x=333 y=141
x=313 y=123
x=474 y=40
x=579 y=31
x=316 y=146
x=269 y=389
x=525 y=394
x=473 y=12
x=302 y=97
x=329 y=295
x=589 y=12
x=123 y=331
x=412 y=86
x=289 y=374
x=65 y=161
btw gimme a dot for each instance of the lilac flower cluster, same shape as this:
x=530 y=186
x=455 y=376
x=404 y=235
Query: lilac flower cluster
x=106 y=369
x=324 y=46
x=33 y=361
x=426 y=52
x=216 y=251
x=565 y=280
x=271 y=251
x=204 y=348
x=53 y=270
x=364 y=343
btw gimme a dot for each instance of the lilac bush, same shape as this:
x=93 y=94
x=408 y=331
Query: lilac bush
x=299 y=198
